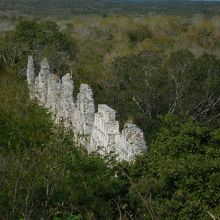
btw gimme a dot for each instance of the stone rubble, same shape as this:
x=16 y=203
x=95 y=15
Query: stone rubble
x=98 y=131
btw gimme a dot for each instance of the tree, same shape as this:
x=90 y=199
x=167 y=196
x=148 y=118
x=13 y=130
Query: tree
x=41 y=39
x=137 y=79
x=202 y=100
x=181 y=171
x=177 y=69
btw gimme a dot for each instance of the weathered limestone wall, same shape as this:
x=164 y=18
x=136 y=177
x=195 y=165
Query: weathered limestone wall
x=97 y=131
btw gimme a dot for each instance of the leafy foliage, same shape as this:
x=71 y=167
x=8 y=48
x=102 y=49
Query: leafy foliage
x=43 y=39
x=137 y=67
x=42 y=172
x=181 y=171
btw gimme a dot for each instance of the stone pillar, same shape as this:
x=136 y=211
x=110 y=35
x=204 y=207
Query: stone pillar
x=54 y=93
x=43 y=81
x=105 y=131
x=85 y=111
x=31 y=77
x=132 y=142
x=66 y=107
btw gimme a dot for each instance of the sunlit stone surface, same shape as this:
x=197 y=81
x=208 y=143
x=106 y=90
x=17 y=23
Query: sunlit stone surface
x=31 y=77
x=98 y=132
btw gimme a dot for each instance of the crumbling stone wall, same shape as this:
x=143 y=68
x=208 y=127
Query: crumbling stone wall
x=98 y=131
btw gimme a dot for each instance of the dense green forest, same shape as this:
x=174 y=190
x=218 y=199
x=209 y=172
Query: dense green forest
x=161 y=72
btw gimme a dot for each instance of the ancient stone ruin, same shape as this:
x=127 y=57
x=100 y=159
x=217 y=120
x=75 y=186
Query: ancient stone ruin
x=97 y=131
